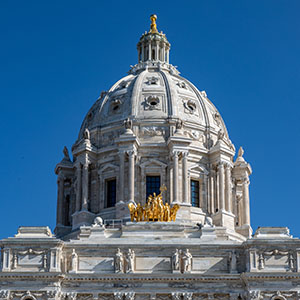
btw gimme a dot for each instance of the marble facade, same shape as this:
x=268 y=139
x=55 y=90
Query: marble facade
x=151 y=122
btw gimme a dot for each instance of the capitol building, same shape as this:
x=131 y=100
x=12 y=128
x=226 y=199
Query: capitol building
x=152 y=204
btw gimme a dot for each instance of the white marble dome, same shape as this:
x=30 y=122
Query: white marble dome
x=154 y=92
x=153 y=128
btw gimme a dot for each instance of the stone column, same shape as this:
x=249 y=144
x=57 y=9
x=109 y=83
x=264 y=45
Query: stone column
x=122 y=170
x=60 y=198
x=228 y=205
x=143 y=52
x=150 y=52
x=85 y=186
x=157 y=51
x=211 y=192
x=6 y=259
x=175 y=176
x=246 y=208
x=221 y=187
x=163 y=53
x=167 y=56
x=185 y=178
x=131 y=155
x=78 y=187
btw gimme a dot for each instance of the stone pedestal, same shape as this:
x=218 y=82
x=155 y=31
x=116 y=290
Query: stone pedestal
x=224 y=219
x=208 y=233
x=244 y=230
x=81 y=218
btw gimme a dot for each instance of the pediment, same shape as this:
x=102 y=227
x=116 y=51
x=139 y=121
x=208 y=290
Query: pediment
x=153 y=163
x=198 y=169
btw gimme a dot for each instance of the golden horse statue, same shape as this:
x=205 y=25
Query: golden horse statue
x=154 y=210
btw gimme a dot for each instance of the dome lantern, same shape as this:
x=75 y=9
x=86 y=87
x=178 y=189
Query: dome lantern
x=153 y=45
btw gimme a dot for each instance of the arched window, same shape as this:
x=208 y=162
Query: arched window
x=153 y=54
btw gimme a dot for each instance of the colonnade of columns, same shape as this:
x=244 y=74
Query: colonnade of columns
x=161 y=51
x=185 y=181
x=217 y=187
x=220 y=188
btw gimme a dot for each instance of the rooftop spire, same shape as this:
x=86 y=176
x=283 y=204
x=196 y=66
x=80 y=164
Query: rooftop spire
x=153 y=28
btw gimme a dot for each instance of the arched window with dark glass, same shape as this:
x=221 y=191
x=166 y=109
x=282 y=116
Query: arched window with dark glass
x=152 y=185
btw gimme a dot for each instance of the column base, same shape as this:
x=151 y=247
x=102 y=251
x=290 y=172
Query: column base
x=225 y=219
x=244 y=230
x=81 y=218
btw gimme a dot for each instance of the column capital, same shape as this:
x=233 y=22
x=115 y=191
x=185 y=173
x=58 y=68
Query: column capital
x=228 y=166
x=246 y=180
x=221 y=165
x=176 y=153
x=131 y=152
x=185 y=153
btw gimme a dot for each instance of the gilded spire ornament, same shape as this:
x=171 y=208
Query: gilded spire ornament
x=153 y=28
x=154 y=210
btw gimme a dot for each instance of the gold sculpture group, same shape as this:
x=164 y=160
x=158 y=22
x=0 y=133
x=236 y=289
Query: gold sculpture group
x=153 y=210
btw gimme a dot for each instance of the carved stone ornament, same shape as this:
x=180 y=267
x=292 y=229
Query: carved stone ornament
x=182 y=261
x=28 y=294
x=31 y=251
x=153 y=131
x=187 y=296
x=119 y=262
x=130 y=261
x=129 y=296
x=86 y=134
x=74 y=261
x=4 y=294
x=66 y=153
x=71 y=296
x=152 y=103
x=115 y=105
x=118 y=296
x=182 y=84
x=124 y=84
x=98 y=222
x=190 y=106
x=254 y=295
x=152 y=80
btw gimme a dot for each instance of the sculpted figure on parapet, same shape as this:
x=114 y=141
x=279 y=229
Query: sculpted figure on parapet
x=119 y=262
x=182 y=261
x=130 y=261
x=153 y=210
x=124 y=263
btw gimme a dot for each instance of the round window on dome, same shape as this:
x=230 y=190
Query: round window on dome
x=191 y=106
x=115 y=105
x=153 y=102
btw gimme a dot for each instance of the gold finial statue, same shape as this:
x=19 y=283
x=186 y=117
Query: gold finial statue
x=153 y=28
x=154 y=209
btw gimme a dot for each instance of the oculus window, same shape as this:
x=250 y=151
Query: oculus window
x=152 y=185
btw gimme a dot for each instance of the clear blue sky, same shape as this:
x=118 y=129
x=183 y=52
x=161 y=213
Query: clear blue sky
x=57 y=56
